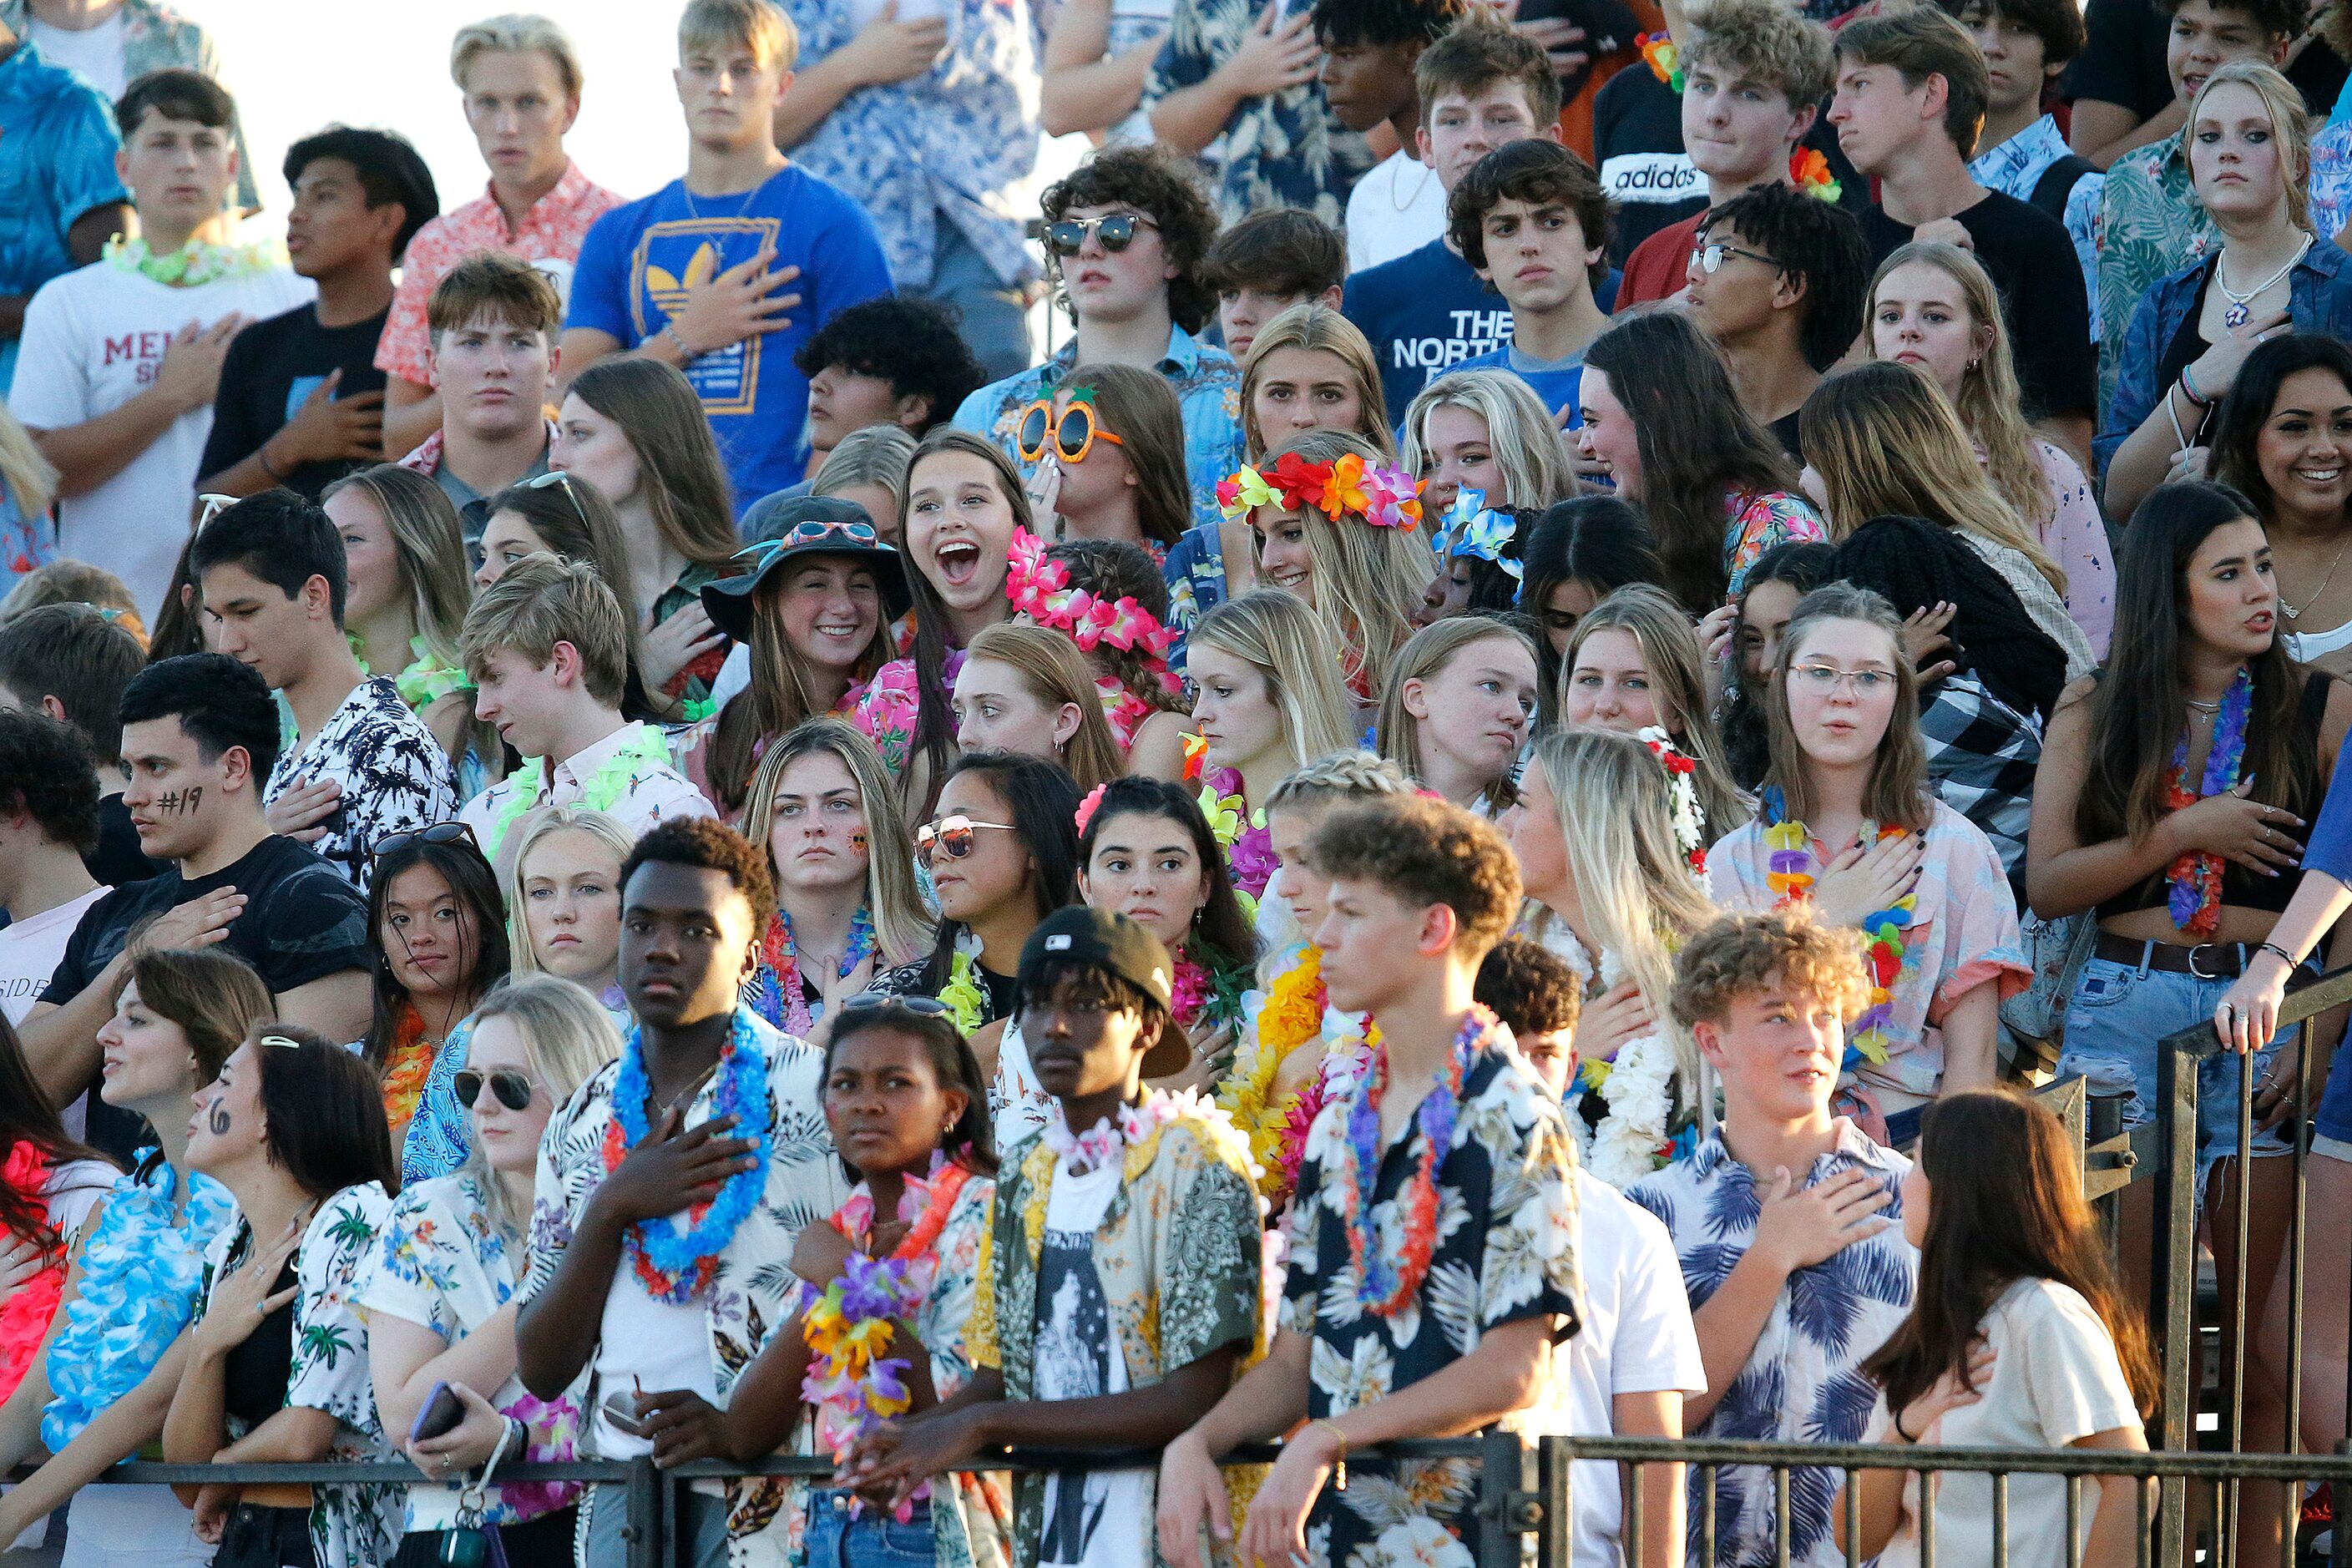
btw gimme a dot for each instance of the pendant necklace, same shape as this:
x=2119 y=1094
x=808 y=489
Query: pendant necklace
x=2241 y=309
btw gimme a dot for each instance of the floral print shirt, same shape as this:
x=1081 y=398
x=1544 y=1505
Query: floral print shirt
x=2150 y=225
x=1179 y=1255
x=887 y=707
x=2331 y=179
x=1803 y=1381
x=1762 y=521
x=355 y=1526
x=393 y=773
x=2075 y=537
x=442 y=1264
x=1506 y=1251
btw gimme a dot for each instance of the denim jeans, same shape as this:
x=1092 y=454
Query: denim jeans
x=2114 y=1021
x=995 y=314
x=605 y=1513
x=871 y=1539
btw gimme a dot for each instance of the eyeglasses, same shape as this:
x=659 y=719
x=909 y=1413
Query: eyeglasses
x=1115 y=230
x=1822 y=679
x=439 y=833
x=1074 y=434
x=512 y=1088
x=213 y=504
x=951 y=833
x=1709 y=257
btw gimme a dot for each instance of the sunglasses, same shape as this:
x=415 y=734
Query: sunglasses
x=512 y=1088
x=439 y=833
x=213 y=504
x=1067 y=235
x=952 y=834
x=818 y=532
x=875 y=1001
x=562 y=479
x=1074 y=434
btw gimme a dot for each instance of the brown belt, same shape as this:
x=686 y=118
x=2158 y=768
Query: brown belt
x=2206 y=960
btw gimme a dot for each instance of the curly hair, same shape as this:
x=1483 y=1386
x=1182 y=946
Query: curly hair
x=48 y=771
x=914 y=345
x=1530 y=987
x=1532 y=171
x=1163 y=188
x=1816 y=243
x=1351 y=23
x=1425 y=852
x=708 y=844
x=1739 y=956
x=1112 y=570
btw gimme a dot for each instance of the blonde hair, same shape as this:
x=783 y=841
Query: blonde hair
x=546 y=823
x=1886 y=444
x=1676 y=667
x=1526 y=445
x=1633 y=886
x=26 y=478
x=1050 y=665
x=1340 y=775
x=542 y=600
x=1318 y=326
x=870 y=455
x=71 y=582
x=516 y=34
x=780 y=694
x=757 y=25
x=1991 y=406
x=2290 y=126
x=1288 y=644
x=902 y=932
x=1429 y=650
x=1368 y=580
x=569 y=1037
x=1897 y=796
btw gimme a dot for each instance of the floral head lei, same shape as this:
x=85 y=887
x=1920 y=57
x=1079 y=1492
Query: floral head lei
x=1473 y=528
x=1039 y=587
x=1690 y=819
x=1809 y=171
x=1383 y=497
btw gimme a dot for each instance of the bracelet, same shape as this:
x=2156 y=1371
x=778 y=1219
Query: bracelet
x=669 y=331
x=1906 y=1437
x=261 y=456
x=1339 y=1465
x=2189 y=387
x=2282 y=955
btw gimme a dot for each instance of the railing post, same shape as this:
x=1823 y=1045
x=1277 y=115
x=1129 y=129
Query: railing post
x=648 y=1532
x=1557 y=1537
x=2173 y=1272
x=1507 y=1505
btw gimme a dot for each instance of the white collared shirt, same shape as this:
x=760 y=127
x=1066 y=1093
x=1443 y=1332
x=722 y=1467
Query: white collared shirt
x=647 y=795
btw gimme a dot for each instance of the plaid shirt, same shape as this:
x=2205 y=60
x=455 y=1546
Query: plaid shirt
x=1981 y=756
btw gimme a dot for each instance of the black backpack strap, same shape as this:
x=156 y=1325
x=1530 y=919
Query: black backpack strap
x=2057 y=182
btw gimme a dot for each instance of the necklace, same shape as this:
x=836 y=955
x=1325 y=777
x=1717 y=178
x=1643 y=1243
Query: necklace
x=1103 y=1143
x=1385 y=1283
x=2208 y=709
x=1419 y=185
x=677 y=1266
x=2294 y=614
x=778 y=993
x=2241 y=309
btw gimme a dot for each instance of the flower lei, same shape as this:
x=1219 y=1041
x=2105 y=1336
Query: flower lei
x=197 y=262
x=963 y=994
x=849 y=1324
x=406 y=1067
x=1038 y=1166
x=646 y=750
x=1105 y=1141
x=1809 y=171
x=1788 y=871
x=776 y=994
x=1249 y=848
x=1039 y=587
x=1290 y=1019
x=1637 y=1086
x=2195 y=899
x=26 y=1318
x=428 y=680
x=1665 y=60
x=1471 y=528
x=1384 y=497
x=1690 y=819
x=677 y=1266
x=1206 y=991
x=1383 y=1285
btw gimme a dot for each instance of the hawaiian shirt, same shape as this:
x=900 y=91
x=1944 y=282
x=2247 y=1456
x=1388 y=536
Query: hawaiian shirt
x=2331 y=179
x=959 y=140
x=357 y=1526
x=1195 y=575
x=2319 y=301
x=1208 y=387
x=444 y=1263
x=1764 y=522
x=439 y=1135
x=2150 y=224
x=393 y=772
x=753 y=1292
x=2016 y=167
x=1178 y=1253
x=1803 y=1381
x=57 y=144
x=1981 y=758
x=549 y=239
x=1963 y=933
x=1286 y=150
x=1506 y=1251
x=888 y=708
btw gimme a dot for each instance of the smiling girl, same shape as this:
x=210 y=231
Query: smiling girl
x=2284 y=440
x=1457 y=709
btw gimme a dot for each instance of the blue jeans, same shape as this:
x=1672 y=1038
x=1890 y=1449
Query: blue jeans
x=871 y=1538
x=605 y=1513
x=2114 y=1021
x=995 y=314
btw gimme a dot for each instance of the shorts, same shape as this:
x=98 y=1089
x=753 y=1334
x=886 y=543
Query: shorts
x=869 y=1539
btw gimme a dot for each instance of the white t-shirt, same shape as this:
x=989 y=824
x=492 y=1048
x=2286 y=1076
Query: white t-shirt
x=95 y=52
x=2054 y=1381
x=1100 y=1519
x=1637 y=1337
x=30 y=949
x=650 y=1345
x=94 y=339
x=1393 y=211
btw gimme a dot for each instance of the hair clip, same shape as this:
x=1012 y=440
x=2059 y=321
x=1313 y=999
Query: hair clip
x=1085 y=812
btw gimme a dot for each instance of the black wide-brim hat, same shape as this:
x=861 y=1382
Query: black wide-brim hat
x=801 y=527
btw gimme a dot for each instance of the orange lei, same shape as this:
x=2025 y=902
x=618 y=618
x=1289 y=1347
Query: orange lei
x=405 y=1069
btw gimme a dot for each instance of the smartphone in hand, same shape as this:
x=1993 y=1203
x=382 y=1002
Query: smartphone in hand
x=442 y=1414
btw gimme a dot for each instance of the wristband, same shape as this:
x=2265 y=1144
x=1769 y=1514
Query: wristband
x=2189 y=386
x=2282 y=955
x=1339 y=1465
x=669 y=331
x=1907 y=1439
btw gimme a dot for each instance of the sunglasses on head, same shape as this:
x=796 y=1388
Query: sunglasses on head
x=213 y=504
x=1073 y=435
x=952 y=835
x=1067 y=236
x=512 y=1088
x=878 y=1001
x=439 y=833
x=563 y=481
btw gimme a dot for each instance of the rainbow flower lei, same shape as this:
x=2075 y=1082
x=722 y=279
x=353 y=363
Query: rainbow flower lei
x=2194 y=898
x=775 y=992
x=1665 y=60
x=677 y=1266
x=1382 y=1285
x=1809 y=171
x=1291 y=1018
x=1789 y=873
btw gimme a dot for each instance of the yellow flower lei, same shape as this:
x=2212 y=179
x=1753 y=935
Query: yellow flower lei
x=1291 y=1018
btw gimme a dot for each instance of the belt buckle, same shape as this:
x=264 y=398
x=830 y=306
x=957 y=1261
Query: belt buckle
x=2197 y=973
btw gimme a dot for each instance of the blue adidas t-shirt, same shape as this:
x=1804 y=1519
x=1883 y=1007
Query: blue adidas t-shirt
x=639 y=261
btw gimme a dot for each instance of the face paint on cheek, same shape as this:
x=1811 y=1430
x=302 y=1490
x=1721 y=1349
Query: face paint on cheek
x=857 y=841
x=179 y=803
x=220 y=1123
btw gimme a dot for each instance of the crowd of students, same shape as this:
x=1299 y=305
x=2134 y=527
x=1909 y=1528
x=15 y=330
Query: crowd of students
x=626 y=831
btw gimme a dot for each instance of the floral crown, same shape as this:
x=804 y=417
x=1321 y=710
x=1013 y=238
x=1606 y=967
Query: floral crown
x=1690 y=821
x=1039 y=587
x=1471 y=528
x=1384 y=497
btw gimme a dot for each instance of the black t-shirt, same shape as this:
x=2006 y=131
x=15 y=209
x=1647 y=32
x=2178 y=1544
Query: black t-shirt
x=2033 y=265
x=271 y=368
x=1784 y=431
x=2123 y=62
x=117 y=857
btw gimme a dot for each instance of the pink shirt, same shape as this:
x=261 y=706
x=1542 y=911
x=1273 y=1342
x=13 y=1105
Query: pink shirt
x=2074 y=537
x=549 y=238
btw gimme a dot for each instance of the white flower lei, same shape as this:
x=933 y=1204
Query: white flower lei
x=1639 y=1092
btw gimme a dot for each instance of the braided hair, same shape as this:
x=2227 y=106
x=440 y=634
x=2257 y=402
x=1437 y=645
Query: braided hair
x=1111 y=570
x=1917 y=564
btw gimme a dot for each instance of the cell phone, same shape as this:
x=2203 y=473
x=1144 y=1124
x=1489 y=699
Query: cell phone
x=442 y=1414
x=621 y=1410
x=1608 y=25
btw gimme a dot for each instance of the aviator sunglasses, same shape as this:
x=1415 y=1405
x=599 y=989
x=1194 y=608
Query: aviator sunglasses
x=512 y=1088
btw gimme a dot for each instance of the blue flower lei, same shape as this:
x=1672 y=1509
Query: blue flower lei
x=677 y=1266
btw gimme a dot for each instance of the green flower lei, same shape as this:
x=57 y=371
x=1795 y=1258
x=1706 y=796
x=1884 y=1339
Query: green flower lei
x=196 y=262
x=647 y=749
x=962 y=994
